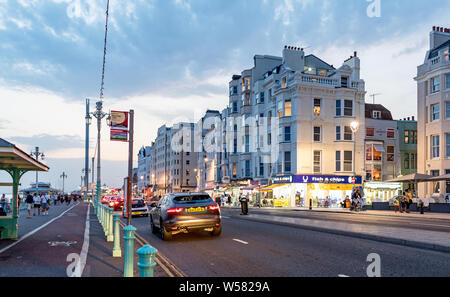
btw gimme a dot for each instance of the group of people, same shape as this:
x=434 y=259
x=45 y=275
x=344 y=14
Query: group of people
x=40 y=203
x=403 y=202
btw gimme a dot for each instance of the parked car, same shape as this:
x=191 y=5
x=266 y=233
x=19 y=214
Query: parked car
x=138 y=208
x=184 y=213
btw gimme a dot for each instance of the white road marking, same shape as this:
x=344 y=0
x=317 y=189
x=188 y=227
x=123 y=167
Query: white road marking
x=343 y=275
x=241 y=241
x=35 y=230
x=85 y=248
x=225 y=217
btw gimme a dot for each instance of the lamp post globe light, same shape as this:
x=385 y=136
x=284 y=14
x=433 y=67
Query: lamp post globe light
x=354 y=126
x=37 y=155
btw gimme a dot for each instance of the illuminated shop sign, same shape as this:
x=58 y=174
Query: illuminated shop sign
x=317 y=179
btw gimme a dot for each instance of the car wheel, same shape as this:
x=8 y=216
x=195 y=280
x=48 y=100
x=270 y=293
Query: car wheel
x=152 y=224
x=216 y=231
x=164 y=234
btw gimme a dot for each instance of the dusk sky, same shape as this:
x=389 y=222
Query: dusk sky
x=170 y=60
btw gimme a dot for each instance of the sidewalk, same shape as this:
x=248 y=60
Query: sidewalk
x=48 y=246
x=434 y=240
x=427 y=215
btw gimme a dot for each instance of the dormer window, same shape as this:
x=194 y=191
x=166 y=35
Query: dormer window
x=344 y=82
x=376 y=114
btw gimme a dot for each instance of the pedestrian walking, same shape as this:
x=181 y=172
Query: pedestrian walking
x=3 y=203
x=37 y=204
x=403 y=203
x=29 y=201
x=44 y=204
x=229 y=200
x=396 y=204
x=55 y=199
x=408 y=200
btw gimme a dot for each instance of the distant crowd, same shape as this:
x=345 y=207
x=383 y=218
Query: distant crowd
x=37 y=203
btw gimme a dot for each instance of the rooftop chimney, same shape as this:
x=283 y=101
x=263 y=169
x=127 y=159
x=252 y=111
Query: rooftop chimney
x=413 y=118
x=438 y=36
x=355 y=53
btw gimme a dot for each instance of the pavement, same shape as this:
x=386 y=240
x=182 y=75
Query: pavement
x=347 y=211
x=50 y=246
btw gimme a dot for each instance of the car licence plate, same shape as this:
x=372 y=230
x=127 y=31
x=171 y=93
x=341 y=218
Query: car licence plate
x=138 y=213
x=196 y=209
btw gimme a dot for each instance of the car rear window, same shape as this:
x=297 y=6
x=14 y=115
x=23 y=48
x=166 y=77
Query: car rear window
x=137 y=203
x=192 y=199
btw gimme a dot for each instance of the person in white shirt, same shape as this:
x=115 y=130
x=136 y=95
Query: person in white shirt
x=44 y=204
x=37 y=204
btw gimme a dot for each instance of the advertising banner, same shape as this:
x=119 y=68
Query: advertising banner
x=119 y=120
x=119 y=135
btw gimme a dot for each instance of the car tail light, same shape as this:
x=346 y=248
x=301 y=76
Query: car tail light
x=174 y=210
x=213 y=207
x=116 y=203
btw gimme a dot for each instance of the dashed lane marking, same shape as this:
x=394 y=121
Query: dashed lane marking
x=241 y=241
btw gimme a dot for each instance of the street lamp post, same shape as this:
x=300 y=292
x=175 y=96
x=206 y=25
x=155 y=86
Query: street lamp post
x=99 y=115
x=63 y=176
x=86 y=157
x=354 y=126
x=37 y=154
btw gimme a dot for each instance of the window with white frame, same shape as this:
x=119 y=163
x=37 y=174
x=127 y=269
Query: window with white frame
x=344 y=108
x=376 y=114
x=317 y=161
x=317 y=131
x=338 y=161
x=434 y=146
x=348 y=133
x=435 y=108
x=435 y=84
x=317 y=106
x=348 y=161
x=338 y=133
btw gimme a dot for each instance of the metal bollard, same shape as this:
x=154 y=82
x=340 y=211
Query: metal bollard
x=106 y=221
x=128 y=260
x=117 y=252
x=147 y=262
x=310 y=204
x=110 y=236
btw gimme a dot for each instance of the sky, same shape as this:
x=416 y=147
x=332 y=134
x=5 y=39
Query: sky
x=171 y=60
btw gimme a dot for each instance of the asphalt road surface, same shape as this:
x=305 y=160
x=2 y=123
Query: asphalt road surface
x=253 y=249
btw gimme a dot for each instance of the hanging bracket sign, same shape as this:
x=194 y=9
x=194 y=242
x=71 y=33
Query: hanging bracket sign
x=119 y=126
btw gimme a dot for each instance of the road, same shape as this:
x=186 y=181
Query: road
x=253 y=249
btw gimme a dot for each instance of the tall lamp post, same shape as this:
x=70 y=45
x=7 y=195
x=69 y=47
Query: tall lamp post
x=86 y=150
x=63 y=176
x=99 y=115
x=37 y=154
x=354 y=126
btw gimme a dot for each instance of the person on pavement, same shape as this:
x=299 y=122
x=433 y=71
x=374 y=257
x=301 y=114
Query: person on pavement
x=37 y=204
x=408 y=200
x=396 y=204
x=29 y=201
x=3 y=203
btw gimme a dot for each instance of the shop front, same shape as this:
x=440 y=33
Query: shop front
x=321 y=190
x=381 y=191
